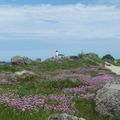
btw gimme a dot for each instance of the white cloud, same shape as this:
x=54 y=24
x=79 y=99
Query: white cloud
x=63 y=21
x=108 y=1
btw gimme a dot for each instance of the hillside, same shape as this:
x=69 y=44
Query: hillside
x=36 y=90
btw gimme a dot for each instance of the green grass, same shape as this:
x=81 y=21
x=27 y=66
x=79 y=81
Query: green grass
x=85 y=108
x=51 y=65
x=8 y=113
x=10 y=68
x=93 y=73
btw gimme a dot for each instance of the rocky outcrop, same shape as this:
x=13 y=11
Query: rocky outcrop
x=108 y=99
x=63 y=117
x=24 y=75
x=18 y=60
x=13 y=78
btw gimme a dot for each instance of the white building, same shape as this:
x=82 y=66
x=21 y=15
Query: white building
x=58 y=56
x=56 y=53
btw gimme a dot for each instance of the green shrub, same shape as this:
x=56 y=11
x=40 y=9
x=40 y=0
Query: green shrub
x=108 y=58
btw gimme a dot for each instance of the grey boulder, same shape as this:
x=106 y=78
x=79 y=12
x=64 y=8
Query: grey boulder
x=63 y=116
x=108 y=99
x=18 y=60
x=24 y=75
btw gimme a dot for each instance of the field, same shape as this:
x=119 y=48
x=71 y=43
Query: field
x=67 y=86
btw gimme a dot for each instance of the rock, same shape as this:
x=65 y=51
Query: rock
x=24 y=75
x=108 y=99
x=63 y=116
x=18 y=60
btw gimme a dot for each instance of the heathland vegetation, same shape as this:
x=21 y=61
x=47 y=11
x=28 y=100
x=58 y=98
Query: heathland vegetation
x=68 y=85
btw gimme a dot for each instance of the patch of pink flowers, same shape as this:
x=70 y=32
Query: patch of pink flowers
x=40 y=102
x=91 y=84
x=103 y=75
x=88 y=96
x=25 y=103
x=80 y=89
x=99 y=80
x=64 y=103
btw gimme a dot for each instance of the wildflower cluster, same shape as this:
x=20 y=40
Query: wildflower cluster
x=36 y=103
x=91 y=83
x=80 y=89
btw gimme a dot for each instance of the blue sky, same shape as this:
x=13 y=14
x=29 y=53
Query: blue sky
x=44 y=1
x=56 y=2
x=36 y=28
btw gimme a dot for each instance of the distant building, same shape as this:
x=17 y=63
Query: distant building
x=58 y=56
x=56 y=53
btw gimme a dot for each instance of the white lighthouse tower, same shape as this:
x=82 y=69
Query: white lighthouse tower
x=57 y=54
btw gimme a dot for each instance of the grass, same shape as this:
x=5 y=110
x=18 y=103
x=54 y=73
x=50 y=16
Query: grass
x=43 y=87
x=10 y=68
x=85 y=108
x=50 y=65
x=93 y=73
x=13 y=114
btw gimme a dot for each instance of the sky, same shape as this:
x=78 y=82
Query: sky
x=37 y=28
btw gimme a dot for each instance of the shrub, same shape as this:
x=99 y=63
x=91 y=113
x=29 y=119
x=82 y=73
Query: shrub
x=74 y=57
x=108 y=58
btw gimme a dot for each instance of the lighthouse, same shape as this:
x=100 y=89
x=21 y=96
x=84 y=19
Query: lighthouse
x=58 y=56
x=56 y=53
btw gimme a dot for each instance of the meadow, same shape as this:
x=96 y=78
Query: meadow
x=66 y=86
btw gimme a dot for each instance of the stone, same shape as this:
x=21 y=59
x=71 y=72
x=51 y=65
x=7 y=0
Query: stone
x=18 y=60
x=28 y=75
x=63 y=116
x=108 y=99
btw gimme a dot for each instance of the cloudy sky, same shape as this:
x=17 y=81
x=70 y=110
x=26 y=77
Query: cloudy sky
x=36 y=28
